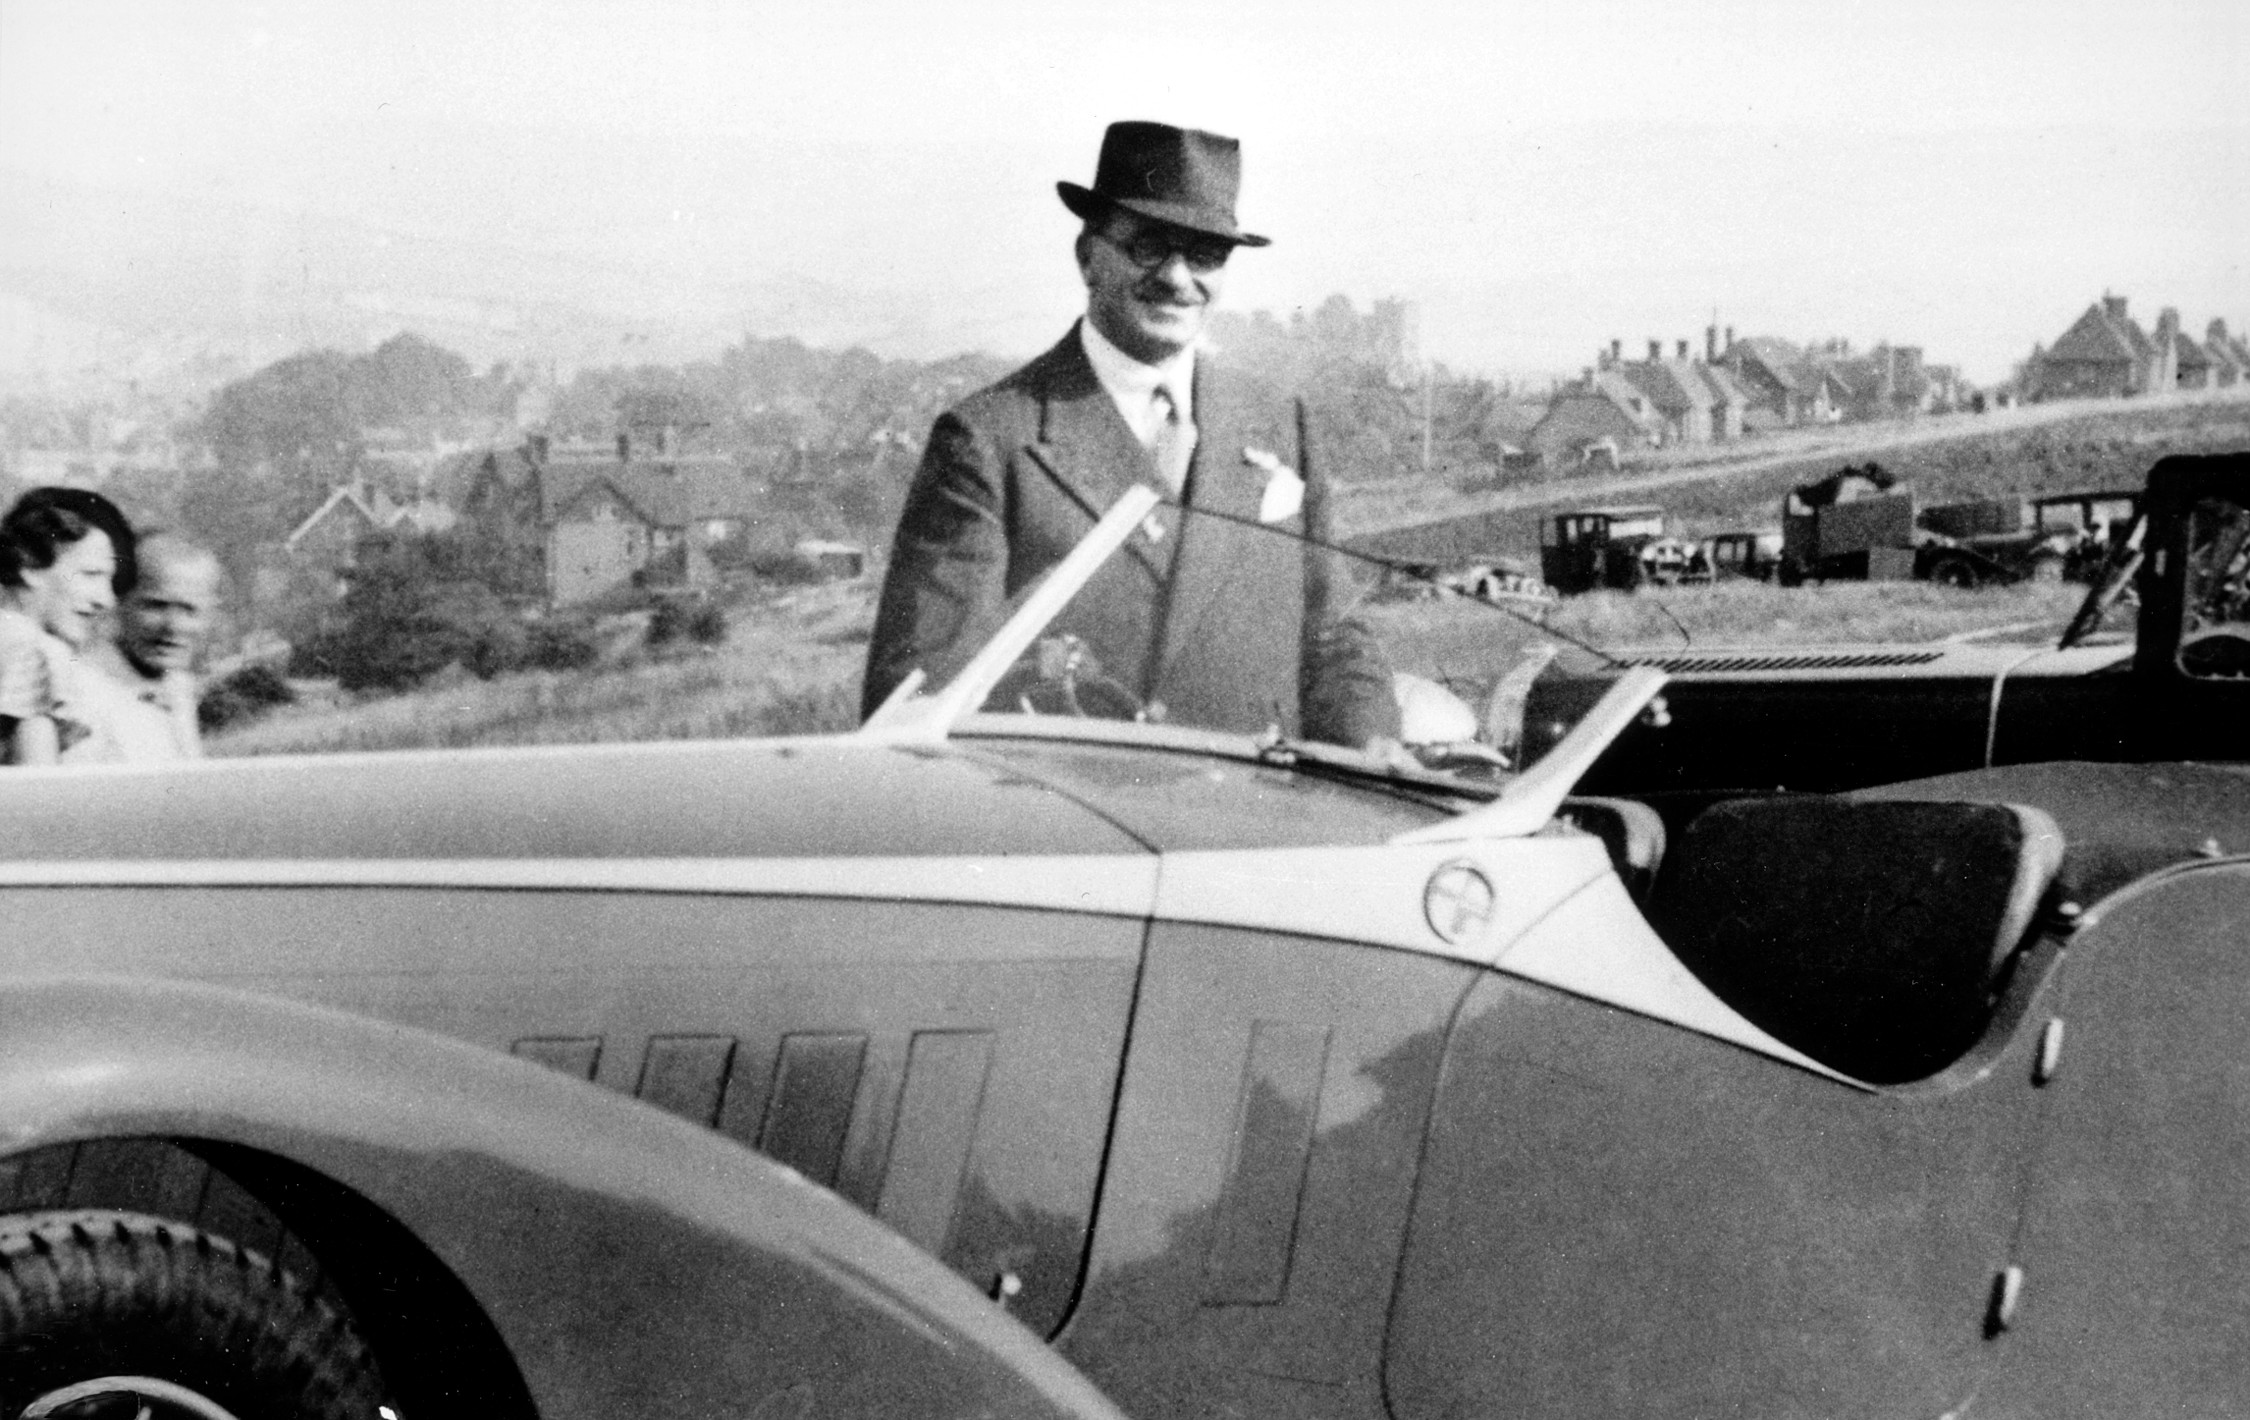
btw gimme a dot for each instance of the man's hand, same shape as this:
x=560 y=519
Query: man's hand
x=1392 y=754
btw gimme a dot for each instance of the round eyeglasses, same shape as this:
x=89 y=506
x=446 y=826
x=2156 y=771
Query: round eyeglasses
x=1150 y=247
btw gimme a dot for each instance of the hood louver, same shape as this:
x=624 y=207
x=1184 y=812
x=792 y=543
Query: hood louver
x=1722 y=662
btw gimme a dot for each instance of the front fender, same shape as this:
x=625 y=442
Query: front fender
x=634 y=1264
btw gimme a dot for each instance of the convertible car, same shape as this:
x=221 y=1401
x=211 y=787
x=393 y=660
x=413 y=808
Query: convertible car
x=1263 y=1078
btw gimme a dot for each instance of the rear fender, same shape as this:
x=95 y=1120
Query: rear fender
x=632 y=1264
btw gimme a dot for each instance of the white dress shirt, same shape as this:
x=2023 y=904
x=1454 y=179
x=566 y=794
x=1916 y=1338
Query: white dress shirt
x=1133 y=385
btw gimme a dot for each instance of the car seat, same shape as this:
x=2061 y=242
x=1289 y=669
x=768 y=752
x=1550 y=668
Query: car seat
x=1874 y=936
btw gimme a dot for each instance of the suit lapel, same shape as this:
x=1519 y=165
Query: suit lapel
x=1084 y=444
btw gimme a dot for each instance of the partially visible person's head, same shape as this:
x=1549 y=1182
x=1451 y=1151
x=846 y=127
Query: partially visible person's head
x=162 y=621
x=67 y=554
x=1159 y=228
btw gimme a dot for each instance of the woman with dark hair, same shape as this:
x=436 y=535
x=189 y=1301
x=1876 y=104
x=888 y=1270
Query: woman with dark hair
x=65 y=556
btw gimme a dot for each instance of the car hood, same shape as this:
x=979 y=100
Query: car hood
x=705 y=799
x=1191 y=790
x=1091 y=789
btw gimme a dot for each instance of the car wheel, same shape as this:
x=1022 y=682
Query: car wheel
x=1955 y=572
x=106 y=1314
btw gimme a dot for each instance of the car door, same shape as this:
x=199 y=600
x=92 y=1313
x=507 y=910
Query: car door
x=1289 y=1035
x=1632 y=1205
x=2129 y=1273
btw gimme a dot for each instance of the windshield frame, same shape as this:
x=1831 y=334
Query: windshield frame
x=916 y=714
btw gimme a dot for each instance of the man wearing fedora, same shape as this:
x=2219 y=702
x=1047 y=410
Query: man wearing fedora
x=1208 y=622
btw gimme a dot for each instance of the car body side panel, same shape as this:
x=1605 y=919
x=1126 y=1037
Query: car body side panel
x=1619 y=1218
x=1267 y=1139
x=2136 y=1247
x=635 y=1266
x=951 y=1068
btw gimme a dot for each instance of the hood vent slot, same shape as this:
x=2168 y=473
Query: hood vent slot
x=1721 y=662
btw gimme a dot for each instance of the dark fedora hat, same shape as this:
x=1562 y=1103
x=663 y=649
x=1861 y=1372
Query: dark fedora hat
x=1183 y=176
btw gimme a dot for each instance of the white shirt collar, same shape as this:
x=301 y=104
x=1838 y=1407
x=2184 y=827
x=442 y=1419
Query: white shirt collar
x=1132 y=385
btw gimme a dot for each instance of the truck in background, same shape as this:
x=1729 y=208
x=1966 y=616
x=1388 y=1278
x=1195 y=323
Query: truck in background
x=1860 y=524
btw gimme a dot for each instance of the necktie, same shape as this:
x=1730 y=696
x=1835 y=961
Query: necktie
x=1174 y=444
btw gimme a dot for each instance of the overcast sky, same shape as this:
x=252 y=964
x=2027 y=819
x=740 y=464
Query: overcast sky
x=1539 y=178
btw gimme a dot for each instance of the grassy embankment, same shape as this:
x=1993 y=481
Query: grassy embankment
x=790 y=665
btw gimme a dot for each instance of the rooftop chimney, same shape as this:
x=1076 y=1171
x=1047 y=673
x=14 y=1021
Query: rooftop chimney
x=1730 y=338
x=1710 y=345
x=1616 y=351
x=1655 y=351
x=1683 y=350
x=2113 y=305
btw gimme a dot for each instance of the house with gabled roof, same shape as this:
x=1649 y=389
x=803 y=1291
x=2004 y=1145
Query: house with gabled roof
x=1730 y=404
x=1770 y=372
x=1682 y=399
x=1601 y=410
x=326 y=543
x=2192 y=365
x=1784 y=385
x=582 y=520
x=2104 y=354
x=352 y=511
x=332 y=532
x=630 y=520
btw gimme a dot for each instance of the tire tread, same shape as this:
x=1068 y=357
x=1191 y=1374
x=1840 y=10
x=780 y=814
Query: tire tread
x=87 y=1292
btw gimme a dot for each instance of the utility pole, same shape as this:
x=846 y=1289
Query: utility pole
x=1428 y=379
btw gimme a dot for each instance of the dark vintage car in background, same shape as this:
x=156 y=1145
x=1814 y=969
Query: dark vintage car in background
x=1264 y=1078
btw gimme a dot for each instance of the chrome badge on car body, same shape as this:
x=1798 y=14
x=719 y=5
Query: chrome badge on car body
x=1458 y=901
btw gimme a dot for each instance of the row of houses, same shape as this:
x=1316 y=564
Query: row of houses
x=1729 y=390
x=2106 y=355
x=584 y=521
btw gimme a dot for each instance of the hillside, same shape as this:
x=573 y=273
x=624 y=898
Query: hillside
x=2048 y=448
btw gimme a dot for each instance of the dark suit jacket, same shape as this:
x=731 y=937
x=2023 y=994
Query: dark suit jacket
x=1209 y=621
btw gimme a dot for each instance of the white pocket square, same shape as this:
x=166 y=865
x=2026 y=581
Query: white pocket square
x=1285 y=491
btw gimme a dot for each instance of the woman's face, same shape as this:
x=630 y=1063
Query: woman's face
x=71 y=597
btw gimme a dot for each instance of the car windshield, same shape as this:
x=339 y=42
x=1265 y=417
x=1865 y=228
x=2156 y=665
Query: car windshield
x=1190 y=621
